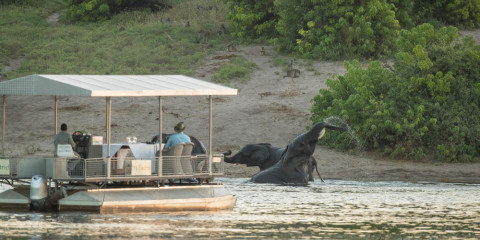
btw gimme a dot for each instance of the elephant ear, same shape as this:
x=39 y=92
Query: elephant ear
x=258 y=155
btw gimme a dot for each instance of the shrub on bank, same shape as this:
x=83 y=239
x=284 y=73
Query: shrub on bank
x=426 y=105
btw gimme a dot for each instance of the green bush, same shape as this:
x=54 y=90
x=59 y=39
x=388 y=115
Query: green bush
x=252 y=19
x=87 y=10
x=464 y=13
x=98 y=10
x=426 y=105
x=342 y=29
x=317 y=28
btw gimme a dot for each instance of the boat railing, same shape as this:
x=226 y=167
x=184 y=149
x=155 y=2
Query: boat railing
x=100 y=169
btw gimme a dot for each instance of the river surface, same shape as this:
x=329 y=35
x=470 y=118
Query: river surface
x=331 y=210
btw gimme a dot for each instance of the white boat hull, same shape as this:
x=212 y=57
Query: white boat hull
x=161 y=199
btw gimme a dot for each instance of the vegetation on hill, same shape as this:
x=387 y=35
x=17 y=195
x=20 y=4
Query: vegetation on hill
x=343 y=29
x=137 y=41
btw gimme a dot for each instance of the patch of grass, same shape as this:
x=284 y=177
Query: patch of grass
x=145 y=46
x=238 y=68
x=278 y=61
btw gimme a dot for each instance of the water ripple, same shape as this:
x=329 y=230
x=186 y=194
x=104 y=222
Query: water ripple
x=335 y=209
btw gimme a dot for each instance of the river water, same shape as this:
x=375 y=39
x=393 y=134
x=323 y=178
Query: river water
x=331 y=210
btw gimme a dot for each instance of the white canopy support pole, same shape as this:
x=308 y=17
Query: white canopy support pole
x=3 y=123
x=56 y=115
x=160 y=137
x=210 y=148
x=108 y=116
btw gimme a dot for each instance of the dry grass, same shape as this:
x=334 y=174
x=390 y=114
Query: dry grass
x=223 y=57
x=276 y=107
x=265 y=94
x=290 y=92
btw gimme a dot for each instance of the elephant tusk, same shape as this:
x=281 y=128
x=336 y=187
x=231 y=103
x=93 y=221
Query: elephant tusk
x=321 y=133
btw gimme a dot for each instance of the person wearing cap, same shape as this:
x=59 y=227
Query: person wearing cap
x=178 y=137
x=63 y=137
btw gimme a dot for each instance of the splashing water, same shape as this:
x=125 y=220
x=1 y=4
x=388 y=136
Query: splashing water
x=338 y=121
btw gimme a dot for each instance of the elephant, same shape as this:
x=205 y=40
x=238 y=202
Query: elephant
x=264 y=155
x=291 y=168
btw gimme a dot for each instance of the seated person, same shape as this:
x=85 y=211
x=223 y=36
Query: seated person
x=63 y=137
x=177 y=138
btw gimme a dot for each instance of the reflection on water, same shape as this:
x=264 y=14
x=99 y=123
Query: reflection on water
x=334 y=209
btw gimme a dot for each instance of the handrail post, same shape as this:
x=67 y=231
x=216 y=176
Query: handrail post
x=3 y=123
x=109 y=102
x=160 y=138
x=210 y=154
x=56 y=115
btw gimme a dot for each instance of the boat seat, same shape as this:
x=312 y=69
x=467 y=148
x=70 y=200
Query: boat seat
x=64 y=150
x=186 y=158
x=171 y=164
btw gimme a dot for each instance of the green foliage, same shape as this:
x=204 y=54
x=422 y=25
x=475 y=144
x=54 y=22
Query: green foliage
x=99 y=10
x=352 y=28
x=251 y=19
x=237 y=68
x=317 y=28
x=403 y=12
x=87 y=10
x=458 y=13
x=427 y=105
x=465 y=14
x=291 y=19
x=342 y=29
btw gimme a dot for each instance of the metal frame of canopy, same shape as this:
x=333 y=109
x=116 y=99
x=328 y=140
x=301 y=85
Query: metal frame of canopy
x=114 y=86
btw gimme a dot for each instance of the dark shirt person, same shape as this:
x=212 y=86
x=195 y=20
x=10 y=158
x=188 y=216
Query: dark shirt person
x=63 y=137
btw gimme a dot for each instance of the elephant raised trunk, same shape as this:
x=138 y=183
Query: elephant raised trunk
x=294 y=159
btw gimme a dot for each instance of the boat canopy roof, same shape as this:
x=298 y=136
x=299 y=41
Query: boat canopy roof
x=112 y=86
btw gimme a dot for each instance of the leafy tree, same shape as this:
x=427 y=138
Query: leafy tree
x=458 y=13
x=251 y=19
x=97 y=10
x=428 y=103
x=87 y=10
x=348 y=28
x=318 y=28
x=403 y=12
x=342 y=28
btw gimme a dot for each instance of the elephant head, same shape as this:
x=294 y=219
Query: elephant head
x=259 y=154
x=292 y=166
